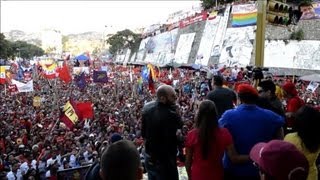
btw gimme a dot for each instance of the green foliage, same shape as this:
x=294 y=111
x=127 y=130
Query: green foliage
x=123 y=39
x=65 y=40
x=18 y=48
x=5 y=47
x=298 y=35
x=135 y=46
x=26 y=50
x=207 y=4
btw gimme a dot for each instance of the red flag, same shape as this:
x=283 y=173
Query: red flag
x=64 y=73
x=70 y=114
x=85 y=110
x=151 y=84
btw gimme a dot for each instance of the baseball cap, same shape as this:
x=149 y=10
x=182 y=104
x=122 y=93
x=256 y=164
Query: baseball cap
x=247 y=89
x=115 y=137
x=280 y=160
x=290 y=88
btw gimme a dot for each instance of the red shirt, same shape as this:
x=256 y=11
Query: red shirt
x=293 y=104
x=212 y=167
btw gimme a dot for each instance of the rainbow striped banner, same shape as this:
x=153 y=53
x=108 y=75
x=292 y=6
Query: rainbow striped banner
x=244 y=15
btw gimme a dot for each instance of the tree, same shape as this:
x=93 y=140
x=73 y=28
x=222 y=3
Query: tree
x=207 y=4
x=5 y=47
x=123 y=39
x=65 y=40
x=26 y=50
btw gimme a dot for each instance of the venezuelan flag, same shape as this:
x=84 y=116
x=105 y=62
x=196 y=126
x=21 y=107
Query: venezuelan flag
x=244 y=19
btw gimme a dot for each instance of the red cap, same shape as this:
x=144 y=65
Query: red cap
x=281 y=160
x=290 y=88
x=246 y=88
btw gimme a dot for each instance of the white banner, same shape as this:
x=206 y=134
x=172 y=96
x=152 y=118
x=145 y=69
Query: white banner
x=207 y=40
x=184 y=47
x=293 y=54
x=221 y=31
x=237 y=47
x=78 y=70
x=23 y=87
x=312 y=86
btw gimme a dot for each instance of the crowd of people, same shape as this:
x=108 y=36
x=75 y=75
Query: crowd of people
x=192 y=119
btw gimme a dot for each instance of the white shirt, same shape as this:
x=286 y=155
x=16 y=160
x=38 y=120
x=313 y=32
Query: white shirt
x=24 y=168
x=234 y=73
x=72 y=161
x=11 y=176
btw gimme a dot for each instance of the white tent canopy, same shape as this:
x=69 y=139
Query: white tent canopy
x=312 y=77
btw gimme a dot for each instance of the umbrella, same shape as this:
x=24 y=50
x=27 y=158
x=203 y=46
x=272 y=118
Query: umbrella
x=312 y=77
x=82 y=58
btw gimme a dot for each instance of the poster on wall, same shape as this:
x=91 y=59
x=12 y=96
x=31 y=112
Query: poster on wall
x=183 y=48
x=221 y=31
x=310 y=10
x=295 y=54
x=237 y=46
x=207 y=40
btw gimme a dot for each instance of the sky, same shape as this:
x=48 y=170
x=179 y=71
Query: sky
x=82 y=16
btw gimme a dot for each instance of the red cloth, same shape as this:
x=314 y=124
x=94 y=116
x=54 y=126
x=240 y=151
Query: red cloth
x=211 y=168
x=2 y=145
x=64 y=73
x=290 y=88
x=151 y=84
x=85 y=110
x=293 y=104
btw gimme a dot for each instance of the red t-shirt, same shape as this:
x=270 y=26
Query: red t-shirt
x=212 y=167
x=293 y=105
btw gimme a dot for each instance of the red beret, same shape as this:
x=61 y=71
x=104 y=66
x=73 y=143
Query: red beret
x=290 y=88
x=246 y=88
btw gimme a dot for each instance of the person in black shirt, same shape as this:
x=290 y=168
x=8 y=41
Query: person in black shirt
x=223 y=98
x=268 y=99
x=160 y=122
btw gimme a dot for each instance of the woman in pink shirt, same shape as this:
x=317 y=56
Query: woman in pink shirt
x=206 y=144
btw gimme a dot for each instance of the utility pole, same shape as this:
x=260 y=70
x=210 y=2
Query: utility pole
x=260 y=33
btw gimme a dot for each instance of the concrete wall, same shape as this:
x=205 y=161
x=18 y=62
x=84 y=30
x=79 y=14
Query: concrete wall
x=311 y=29
x=198 y=29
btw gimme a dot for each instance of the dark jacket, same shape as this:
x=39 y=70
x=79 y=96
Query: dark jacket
x=160 y=123
x=223 y=98
x=270 y=105
x=94 y=172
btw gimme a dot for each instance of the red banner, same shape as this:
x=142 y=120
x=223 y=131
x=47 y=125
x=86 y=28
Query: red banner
x=190 y=20
x=13 y=89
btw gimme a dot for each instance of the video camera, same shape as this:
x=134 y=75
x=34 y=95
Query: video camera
x=256 y=72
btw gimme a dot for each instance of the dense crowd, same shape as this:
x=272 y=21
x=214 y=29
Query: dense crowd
x=34 y=144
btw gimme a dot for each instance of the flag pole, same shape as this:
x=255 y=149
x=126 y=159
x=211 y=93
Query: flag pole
x=56 y=106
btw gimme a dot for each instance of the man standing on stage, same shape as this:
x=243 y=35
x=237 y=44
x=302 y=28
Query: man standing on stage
x=160 y=122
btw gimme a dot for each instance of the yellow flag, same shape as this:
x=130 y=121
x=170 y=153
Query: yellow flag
x=36 y=101
x=70 y=112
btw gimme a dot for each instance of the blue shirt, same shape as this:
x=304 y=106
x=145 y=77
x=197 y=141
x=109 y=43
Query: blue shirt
x=248 y=125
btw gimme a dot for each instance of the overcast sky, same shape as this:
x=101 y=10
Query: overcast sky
x=82 y=16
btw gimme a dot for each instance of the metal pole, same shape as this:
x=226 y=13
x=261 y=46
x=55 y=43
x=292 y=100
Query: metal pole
x=260 y=33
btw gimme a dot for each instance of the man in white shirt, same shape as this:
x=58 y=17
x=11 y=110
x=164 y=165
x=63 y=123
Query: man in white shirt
x=234 y=72
x=15 y=173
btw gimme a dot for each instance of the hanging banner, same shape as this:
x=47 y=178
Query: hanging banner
x=244 y=15
x=23 y=87
x=190 y=20
x=13 y=90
